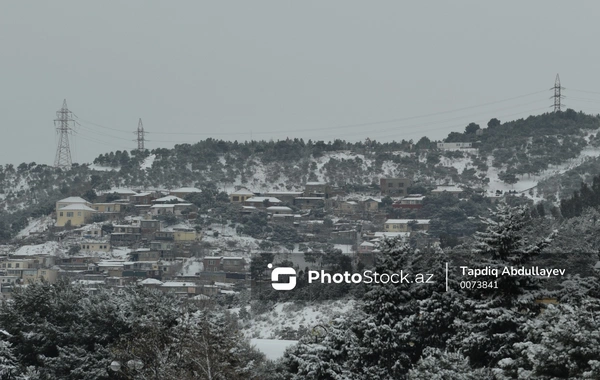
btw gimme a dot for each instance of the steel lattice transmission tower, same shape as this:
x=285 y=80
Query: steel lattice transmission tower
x=557 y=96
x=140 y=136
x=63 y=122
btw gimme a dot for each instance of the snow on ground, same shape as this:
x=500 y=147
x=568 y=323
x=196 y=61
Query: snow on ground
x=103 y=168
x=272 y=348
x=37 y=225
x=147 y=164
x=192 y=266
x=51 y=248
x=120 y=252
x=525 y=182
x=293 y=316
x=228 y=240
x=458 y=163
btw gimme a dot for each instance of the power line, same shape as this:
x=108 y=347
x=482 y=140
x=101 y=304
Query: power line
x=446 y=127
x=589 y=92
x=322 y=128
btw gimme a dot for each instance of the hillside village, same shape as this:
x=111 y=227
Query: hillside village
x=155 y=238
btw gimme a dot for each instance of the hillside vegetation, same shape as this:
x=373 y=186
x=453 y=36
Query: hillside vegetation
x=556 y=149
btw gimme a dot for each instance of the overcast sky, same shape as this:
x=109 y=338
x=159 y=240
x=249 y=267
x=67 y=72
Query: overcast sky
x=276 y=69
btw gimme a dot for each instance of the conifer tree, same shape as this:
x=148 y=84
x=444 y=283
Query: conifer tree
x=489 y=324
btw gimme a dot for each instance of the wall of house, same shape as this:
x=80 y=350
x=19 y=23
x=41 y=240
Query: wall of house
x=77 y=217
x=185 y=235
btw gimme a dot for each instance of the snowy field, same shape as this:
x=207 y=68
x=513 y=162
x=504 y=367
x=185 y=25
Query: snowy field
x=289 y=316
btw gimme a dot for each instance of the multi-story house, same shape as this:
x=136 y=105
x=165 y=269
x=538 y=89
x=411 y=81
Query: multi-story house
x=394 y=186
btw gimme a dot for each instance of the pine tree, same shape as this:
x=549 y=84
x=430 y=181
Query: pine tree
x=9 y=366
x=324 y=354
x=386 y=346
x=444 y=365
x=489 y=324
x=563 y=342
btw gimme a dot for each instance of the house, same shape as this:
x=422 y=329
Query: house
x=113 y=268
x=240 y=195
x=164 y=235
x=76 y=214
x=370 y=205
x=233 y=264
x=144 y=254
x=163 y=247
x=406 y=225
x=95 y=246
x=394 y=186
x=149 y=226
x=224 y=264
x=454 y=145
x=309 y=202
x=278 y=210
x=151 y=283
x=285 y=219
x=181 y=234
x=91 y=231
x=284 y=196
x=71 y=201
x=182 y=192
x=125 y=234
x=75 y=263
x=141 y=269
x=110 y=210
x=348 y=207
x=317 y=189
x=169 y=199
x=450 y=189
x=181 y=289
x=262 y=202
x=144 y=198
x=16 y=267
x=413 y=201
x=122 y=193
x=174 y=208
x=112 y=207
x=40 y=274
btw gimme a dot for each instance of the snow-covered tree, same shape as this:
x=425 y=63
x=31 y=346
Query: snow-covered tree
x=60 y=331
x=324 y=354
x=563 y=342
x=437 y=364
x=489 y=324
x=9 y=365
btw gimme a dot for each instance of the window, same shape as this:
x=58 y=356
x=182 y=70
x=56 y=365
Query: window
x=401 y=184
x=61 y=214
x=78 y=213
x=69 y=214
x=17 y=265
x=390 y=184
x=9 y=265
x=236 y=198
